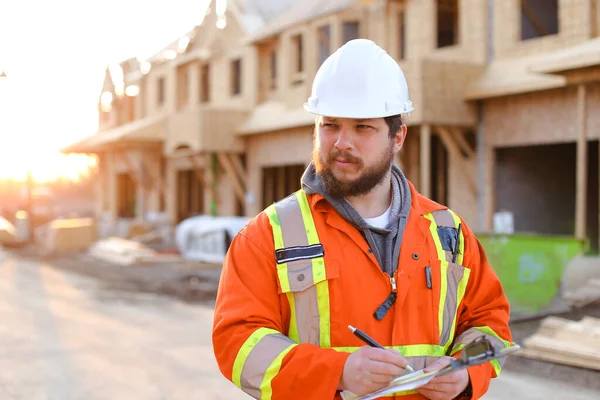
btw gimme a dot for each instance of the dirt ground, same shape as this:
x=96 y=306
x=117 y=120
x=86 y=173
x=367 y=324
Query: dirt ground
x=198 y=284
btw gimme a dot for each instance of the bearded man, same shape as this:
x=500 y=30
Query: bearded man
x=356 y=245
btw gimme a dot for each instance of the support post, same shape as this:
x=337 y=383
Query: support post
x=425 y=145
x=581 y=192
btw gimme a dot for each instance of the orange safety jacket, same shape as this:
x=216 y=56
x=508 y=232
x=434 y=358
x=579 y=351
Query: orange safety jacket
x=298 y=274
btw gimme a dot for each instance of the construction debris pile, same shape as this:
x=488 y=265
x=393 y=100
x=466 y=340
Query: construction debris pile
x=567 y=342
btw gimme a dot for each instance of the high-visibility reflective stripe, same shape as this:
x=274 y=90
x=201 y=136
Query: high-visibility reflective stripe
x=418 y=355
x=460 y=294
x=303 y=280
x=443 y=271
x=473 y=333
x=293 y=329
x=259 y=360
x=454 y=277
x=278 y=239
x=319 y=273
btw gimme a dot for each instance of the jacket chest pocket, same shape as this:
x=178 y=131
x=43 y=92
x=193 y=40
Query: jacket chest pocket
x=449 y=281
x=306 y=283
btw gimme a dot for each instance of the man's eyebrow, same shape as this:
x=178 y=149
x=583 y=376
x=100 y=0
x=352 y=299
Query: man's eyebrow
x=329 y=119
x=359 y=120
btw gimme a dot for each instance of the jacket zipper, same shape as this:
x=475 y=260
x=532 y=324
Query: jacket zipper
x=389 y=301
x=393 y=282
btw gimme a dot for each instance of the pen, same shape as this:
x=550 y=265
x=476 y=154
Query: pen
x=455 y=251
x=368 y=340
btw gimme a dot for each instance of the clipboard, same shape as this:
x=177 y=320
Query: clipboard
x=479 y=351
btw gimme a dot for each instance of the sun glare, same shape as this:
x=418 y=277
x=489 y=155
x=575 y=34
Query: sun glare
x=48 y=167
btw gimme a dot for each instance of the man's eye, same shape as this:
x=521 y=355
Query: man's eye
x=365 y=127
x=330 y=125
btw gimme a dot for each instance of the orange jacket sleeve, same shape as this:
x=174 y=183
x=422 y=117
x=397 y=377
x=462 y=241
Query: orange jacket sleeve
x=484 y=310
x=248 y=306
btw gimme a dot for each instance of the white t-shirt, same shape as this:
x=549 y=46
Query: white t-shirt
x=381 y=221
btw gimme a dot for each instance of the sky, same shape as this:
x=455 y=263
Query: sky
x=54 y=53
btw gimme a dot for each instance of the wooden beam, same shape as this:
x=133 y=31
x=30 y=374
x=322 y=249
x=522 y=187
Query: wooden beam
x=425 y=161
x=198 y=171
x=457 y=156
x=236 y=159
x=156 y=177
x=489 y=186
x=462 y=142
x=581 y=184
x=132 y=171
x=230 y=170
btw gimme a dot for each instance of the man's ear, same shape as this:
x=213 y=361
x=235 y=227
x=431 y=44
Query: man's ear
x=399 y=138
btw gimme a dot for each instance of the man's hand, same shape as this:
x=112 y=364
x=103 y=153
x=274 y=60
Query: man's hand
x=445 y=387
x=370 y=368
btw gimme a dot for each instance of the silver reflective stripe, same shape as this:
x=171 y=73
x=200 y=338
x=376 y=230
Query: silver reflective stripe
x=292 y=224
x=300 y=272
x=455 y=274
x=473 y=333
x=260 y=358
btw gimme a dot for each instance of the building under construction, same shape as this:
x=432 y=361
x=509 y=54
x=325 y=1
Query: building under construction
x=506 y=95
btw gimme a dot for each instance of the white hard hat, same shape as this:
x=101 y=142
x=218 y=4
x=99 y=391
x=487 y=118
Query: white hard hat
x=359 y=80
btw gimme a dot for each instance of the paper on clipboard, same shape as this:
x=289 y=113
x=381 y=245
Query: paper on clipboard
x=403 y=383
x=477 y=352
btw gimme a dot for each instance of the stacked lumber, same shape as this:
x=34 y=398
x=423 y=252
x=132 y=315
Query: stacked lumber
x=66 y=235
x=563 y=341
x=127 y=252
x=588 y=294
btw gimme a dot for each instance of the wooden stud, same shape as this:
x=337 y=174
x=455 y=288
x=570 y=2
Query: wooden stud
x=457 y=156
x=199 y=171
x=132 y=171
x=581 y=184
x=230 y=170
x=236 y=160
x=462 y=142
x=156 y=177
x=425 y=180
x=489 y=186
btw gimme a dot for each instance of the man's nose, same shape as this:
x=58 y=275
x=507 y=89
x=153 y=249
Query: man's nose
x=344 y=139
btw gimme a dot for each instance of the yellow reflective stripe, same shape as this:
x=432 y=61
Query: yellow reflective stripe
x=461 y=244
x=460 y=294
x=411 y=350
x=443 y=270
x=266 y=390
x=245 y=350
x=282 y=272
x=497 y=366
x=457 y=349
x=309 y=223
x=319 y=272
x=324 y=316
x=489 y=331
x=293 y=329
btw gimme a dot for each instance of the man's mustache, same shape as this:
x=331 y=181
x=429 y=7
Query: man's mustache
x=344 y=155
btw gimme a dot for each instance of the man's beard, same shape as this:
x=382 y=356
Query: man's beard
x=368 y=179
